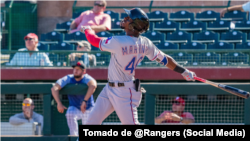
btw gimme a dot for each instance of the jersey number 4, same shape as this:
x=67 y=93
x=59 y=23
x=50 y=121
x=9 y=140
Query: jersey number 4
x=132 y=65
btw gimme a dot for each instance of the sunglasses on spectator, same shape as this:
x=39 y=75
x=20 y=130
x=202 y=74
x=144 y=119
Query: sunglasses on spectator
x=26 y=104
x=100 y=5
x=176 y=102
x=28 y=39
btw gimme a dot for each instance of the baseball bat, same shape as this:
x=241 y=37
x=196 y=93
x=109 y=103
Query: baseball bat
x=232 y=90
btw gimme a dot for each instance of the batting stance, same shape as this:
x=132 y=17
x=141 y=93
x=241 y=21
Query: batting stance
x=123 y=93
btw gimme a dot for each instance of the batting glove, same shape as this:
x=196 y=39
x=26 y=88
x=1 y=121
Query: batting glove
x=83 y=28
x=188 y=75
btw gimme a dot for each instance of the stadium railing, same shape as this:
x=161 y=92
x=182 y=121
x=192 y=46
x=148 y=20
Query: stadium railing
x=195 y=58
x=209 y=105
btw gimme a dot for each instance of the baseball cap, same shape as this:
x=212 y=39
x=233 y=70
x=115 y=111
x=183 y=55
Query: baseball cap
x=80 y=64
x=31 y=35
x=84 y=44
x=180 y=100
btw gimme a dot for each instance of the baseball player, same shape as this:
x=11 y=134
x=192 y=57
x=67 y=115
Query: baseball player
x=123 y=93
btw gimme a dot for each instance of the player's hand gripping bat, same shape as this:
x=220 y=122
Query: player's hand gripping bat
x=232 y=90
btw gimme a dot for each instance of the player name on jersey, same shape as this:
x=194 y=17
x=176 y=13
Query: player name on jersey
x=133 y=49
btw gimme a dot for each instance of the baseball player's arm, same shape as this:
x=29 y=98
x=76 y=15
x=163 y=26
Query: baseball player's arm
x=55 y=92
x=92 y=85
x=91 y=37
x=169 y=62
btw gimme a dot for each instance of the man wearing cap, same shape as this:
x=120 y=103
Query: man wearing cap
x=177 y=115
x=30 y=59
x=28 y=115
x=95 y=18
x=89 y=59
x=79 y=105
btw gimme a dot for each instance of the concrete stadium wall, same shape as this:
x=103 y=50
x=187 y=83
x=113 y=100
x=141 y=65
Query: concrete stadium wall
x=52 y=12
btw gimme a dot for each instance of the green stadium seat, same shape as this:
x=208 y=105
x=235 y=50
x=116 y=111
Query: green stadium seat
x=104 y=34
x=114 y=16
x=234 y=58
x=102 y=59
x=219 y=26
x=193 y=26
x=167 y=26
x=181 y=16
x=123 y=15
x=192 y=45
x=220 y=45
x=52 y=38
x=182 y=58
x=167 y=45
x=243 y=26
x=235 y=16
x=43 y=47
x=245 y=45
x=207 y=16
x=74 y=37
x=179 y=37
x=248 y=37
x=62 y=46
x=157 y=16
x=207 y=58
x=206 y=37
x=233 y=37
x=155 y=36
x=63 y=27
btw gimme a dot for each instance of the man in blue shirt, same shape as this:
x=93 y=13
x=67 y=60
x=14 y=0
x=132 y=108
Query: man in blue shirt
x=30 y=59
x=79 y=105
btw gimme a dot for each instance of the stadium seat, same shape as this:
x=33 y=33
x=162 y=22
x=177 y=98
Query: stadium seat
x=206 y=37
x=104 y=34
x=242 y=26
x=234 y=58
x=157 y=16
x=192 y=45
x=248 y=37
x=233 y=37
x=207 y=16
x=206 y=58
x=115 y=27
x=114 y=16
x=77 y=14
x=182 y=58
x=123 y=15
x=51 y=38
x=167 y=26
x=74 y=37
x=102 y=59
x=167 y=45
x=245 y=45
x=43 y=47
x=193 y=26
x=181 y=16
x=220 y=45
x=62 y=46
x=235 y=16
x=219 y=26
x=179 y=37
x=155 y=36
x=63 y=27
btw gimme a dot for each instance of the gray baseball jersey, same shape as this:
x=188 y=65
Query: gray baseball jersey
x=126 y=53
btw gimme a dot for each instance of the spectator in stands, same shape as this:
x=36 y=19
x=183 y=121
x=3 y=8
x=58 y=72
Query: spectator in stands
x=177 y=115
x=95 y=18
x=30 y=59
x=28 y=115
x=79 y=105
x=89 y=59
x=244 y=7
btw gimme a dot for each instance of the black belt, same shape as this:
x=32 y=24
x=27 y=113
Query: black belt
x=112 y=84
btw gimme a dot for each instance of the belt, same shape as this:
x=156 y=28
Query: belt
x=112 y=84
